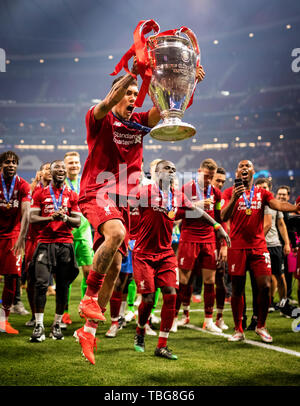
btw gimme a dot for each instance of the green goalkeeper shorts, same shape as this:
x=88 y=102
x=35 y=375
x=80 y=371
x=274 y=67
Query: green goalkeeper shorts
x=83 y=252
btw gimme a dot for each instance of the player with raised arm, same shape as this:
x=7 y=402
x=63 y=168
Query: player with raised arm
x=197 y=245
x=244 y=205
x=113 y=166
x=154 y=260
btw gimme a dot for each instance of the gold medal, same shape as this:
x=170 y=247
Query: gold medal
x=171 y=214
x=248 y=212
x=8 y=206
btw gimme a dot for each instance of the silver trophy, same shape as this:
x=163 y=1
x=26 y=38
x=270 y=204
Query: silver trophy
x=174 y=60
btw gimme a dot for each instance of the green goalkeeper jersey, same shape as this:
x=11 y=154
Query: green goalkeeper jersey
x=84 y=232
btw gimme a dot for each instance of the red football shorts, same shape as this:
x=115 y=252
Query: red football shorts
x=10 y=264
x=98 y=214
x=155 y=271
x=297 y=273
x=204 y=253
x=29 y=251
x=241 y=260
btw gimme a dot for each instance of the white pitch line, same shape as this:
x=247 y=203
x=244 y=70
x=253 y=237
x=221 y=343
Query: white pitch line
x=251 y=342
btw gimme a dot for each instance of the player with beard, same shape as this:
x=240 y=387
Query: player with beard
x=14 y=209
x=197 y=245
x=154 y=260
x=82 y=236
x=115 y=140
x=55 y=208
x=244 y=206
x=218 y=182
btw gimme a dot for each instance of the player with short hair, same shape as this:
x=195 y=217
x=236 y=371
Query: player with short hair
x=244 y=205
x=14 y=209
x=82 y=236
x=55 y=208
x=197 y=245
x=218 y=182
x=154 y=260
x=115 y=140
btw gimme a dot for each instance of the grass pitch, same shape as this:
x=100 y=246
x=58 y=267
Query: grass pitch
x=203 y=359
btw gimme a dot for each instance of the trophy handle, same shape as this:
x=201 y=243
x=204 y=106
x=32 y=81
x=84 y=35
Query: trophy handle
x=192 y=37
x=139 y=49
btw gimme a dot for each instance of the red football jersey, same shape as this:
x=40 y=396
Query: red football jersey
x=34 y=229
x=115 y=155
x=156 y=224
x=134 y=223
x=193 y=229
x=55 y=231
x=247 y=231
x=10 y=218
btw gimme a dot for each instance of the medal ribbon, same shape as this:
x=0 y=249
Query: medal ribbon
x=133 y=124
x=56 y=203
x=72 y=186
x=249 y=202
x=140 y=49
x=199 y=193
x=170 y=198
x=7 y=196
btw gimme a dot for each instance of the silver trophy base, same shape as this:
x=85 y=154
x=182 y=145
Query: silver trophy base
x=172 y=131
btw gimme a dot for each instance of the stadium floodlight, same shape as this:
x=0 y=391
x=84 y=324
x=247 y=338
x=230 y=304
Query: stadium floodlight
x=2 y=60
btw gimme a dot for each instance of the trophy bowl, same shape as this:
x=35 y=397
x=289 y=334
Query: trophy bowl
x=172 y=84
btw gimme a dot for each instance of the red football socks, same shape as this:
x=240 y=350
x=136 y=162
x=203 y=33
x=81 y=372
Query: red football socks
x=115 y=304
x=8 y=293
x=183 y=297
x=144 y=312
x=263 y=304
x=167 y=317
x=237 y=305
x=209 y=299
x=94 y=283
x=220 y=298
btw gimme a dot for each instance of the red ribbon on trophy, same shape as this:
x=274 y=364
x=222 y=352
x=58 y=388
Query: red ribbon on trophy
x=139 y=49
